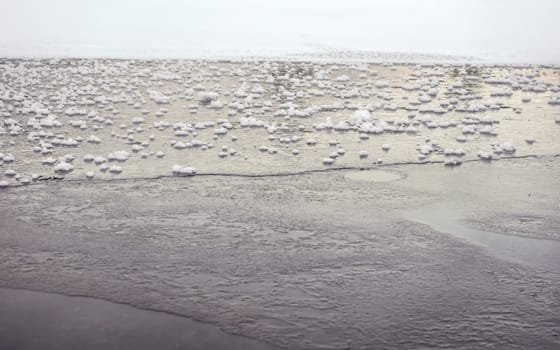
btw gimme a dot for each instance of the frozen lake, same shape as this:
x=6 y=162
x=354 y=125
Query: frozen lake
x=305 y=205
x=295 y=174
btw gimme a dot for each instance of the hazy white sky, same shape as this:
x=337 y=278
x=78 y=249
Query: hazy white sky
x=493 y=28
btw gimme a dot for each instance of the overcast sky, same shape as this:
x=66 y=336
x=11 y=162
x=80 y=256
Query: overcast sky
x=514 y=28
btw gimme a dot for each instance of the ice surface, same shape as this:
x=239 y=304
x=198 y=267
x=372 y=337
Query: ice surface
x=322 y=258
x=112 y=111
x=304 y=262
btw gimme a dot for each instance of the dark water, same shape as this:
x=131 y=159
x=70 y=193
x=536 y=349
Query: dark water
x=36 y=320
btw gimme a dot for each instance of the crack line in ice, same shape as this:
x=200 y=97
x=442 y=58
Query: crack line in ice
x=280 y=174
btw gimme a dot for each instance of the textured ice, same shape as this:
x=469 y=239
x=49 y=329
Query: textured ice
x=319 y=260
x=272 y=107
x=308 y=262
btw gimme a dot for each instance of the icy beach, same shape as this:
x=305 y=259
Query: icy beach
x=295 y=204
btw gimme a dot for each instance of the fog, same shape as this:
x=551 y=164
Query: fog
x=497 y=29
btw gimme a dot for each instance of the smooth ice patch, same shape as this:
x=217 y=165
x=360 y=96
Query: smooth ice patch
x=374 y=175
